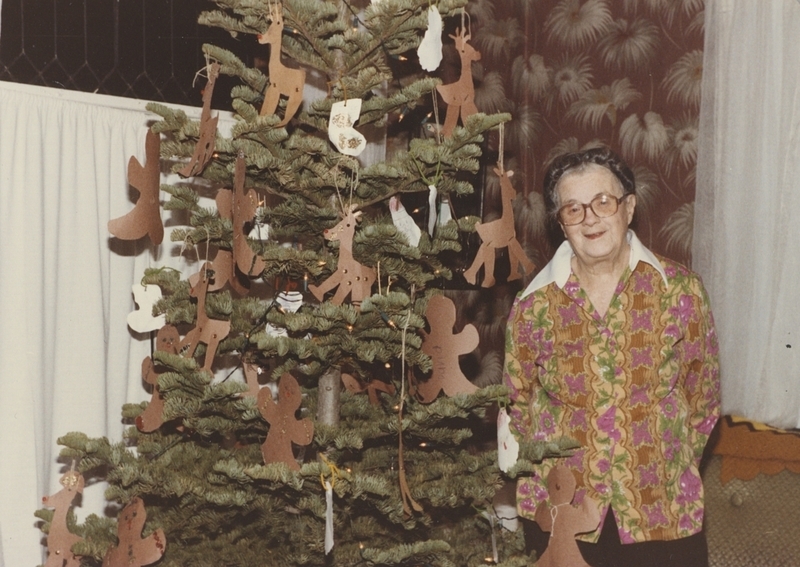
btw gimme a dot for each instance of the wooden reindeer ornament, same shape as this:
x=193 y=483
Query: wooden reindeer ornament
x=460 y=96
x=206 y=330
x=59 y=539
x=206 y=142
x=351 y=277
x=284 y=428
x=497 y=234
x=444 y=347
x=243 y=210
x=133 y=550
x=564 y=521
x=145 y=218
x=152 y=417
x=283 y=80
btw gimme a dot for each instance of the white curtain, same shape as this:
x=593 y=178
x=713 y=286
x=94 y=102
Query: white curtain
x=747 y=210
x=68 y=359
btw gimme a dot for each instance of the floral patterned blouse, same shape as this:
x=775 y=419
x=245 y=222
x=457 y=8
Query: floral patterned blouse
x=637 y=388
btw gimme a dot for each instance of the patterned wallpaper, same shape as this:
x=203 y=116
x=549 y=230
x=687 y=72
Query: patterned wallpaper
x=579 y=73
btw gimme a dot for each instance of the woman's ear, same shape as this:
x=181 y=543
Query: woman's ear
x=630 y=206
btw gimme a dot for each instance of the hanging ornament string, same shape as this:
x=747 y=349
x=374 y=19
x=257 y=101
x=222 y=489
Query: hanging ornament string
x=553 y=516
x=328 y=485
x=437 y=130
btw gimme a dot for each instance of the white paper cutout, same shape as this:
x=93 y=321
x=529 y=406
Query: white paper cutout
x=432 y=213
x=507 y=444
x=141 y=320
x=430 y=48
x=403 y=221
x=328 y=517
x=341 y=133
x=289 y=301
x=445 y=214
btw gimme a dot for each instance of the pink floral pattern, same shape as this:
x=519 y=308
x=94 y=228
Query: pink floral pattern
x=641 y=413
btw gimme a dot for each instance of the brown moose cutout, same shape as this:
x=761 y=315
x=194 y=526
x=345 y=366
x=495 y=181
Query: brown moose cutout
x=351 y=277
x=282 y=80
x=208 y=331
x=355 y=386
x=284 y=428
x=145 y=218
x=564 y=521
x=460 y=96
x=497 y=234
x=152 y=417
x=206 y=142
x=444 y=347
x=243 y=211
x=59 y=539
x=133 y=551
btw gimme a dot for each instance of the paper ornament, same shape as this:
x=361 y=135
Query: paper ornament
x=430 y=48
x=341 y=133
x=444 y=347
x=507 y=444
x=351 y=278
x=282 y=80
x=204 y=149
x=59 y=539
x=564 y=521
x=251 y=372
x=208 y=331
x=460 y=96
x=142 y=320
x=284 y=428
x=152 y=418
x=433 y=192
x=290 y=302
x=499 y=233
x=354 y=386
x=224 y=264
x=243 y=210
x=145 y=218
x=403 y=221
x=133 y=550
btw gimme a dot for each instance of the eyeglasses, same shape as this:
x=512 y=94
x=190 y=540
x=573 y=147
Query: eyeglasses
x=604 y=205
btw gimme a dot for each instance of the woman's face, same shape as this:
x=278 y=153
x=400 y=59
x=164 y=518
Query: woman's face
x=596 y=239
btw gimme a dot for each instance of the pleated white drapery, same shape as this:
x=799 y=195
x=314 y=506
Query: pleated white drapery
x=746 y=233
x=68 y=359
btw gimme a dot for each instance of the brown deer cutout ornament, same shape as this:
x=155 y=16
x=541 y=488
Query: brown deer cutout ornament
x=444 y=347
x=351 y=277
x=355 y=386
x=145 y=218
x=59 y=539
x=243 y=211
x=564 y=521
x=133 y=550
x=284 y=427
x=497 y=234
x=152 y=417
x=282 y=80
x=460 y=96
x=251 y=372
x=208 y=331
x=206 y=142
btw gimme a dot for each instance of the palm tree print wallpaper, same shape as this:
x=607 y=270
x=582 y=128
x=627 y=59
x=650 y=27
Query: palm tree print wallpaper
x=576 y=74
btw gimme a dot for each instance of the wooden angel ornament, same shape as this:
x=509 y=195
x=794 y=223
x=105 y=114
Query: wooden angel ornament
x=152 y=417
x=282 y=80
x=497 y=234
x=133 y=550
x=460 y=96
x=204 y=149
x=206 y=330
x=145 y=218
x=284 y=427
x=564 y=521
x=59 y=539
x=444 y=347
x=351 y=277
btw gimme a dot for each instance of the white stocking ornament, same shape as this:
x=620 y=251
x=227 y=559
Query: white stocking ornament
x=341 y=133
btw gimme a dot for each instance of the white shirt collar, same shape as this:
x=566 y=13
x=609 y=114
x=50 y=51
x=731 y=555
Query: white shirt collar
x=559 y=268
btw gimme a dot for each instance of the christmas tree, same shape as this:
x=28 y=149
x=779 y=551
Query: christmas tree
x=308 y=407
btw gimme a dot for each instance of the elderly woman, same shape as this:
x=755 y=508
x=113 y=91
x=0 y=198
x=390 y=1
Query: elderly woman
x=614 y=346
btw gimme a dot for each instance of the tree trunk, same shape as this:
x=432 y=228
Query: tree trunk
x=328 y=397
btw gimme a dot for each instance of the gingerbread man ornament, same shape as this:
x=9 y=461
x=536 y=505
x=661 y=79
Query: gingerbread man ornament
x=133 y=550
x=564 y=521
x=444 y=347
x=284 y=428
x=59 y=539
